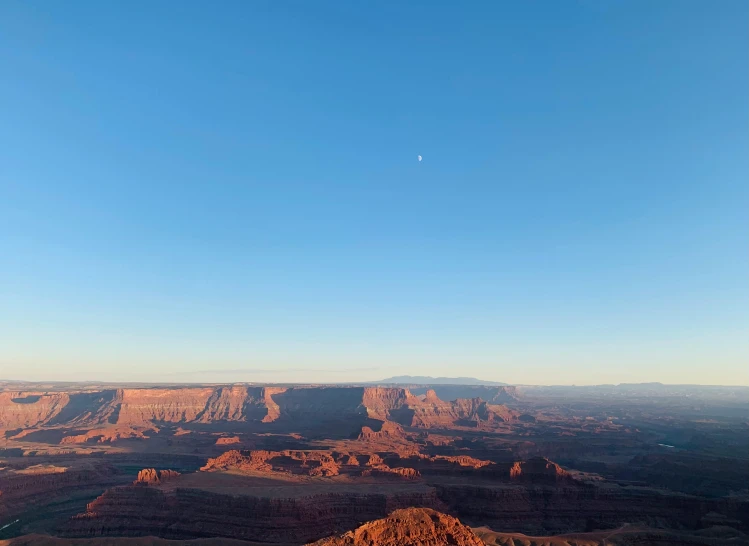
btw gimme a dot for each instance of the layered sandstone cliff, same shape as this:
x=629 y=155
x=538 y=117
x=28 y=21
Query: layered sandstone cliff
x=29 y=409
x=140 y=408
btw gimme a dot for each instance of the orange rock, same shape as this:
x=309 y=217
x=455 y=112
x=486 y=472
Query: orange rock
x=537 y=470
x=408 y=527
x=153 y=476
x=228 y=441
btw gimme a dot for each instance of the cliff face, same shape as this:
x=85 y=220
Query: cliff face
x=561 y=508
x=235 y=403
x=408 y=527
x=142 y=408
x=28 y=409
x=381 y=402
x=401 y=406
x=192 y=513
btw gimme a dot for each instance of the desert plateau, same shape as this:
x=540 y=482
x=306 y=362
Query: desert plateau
x=378 y=464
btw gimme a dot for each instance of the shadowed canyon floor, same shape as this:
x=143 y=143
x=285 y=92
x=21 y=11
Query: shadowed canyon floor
x=276 y=464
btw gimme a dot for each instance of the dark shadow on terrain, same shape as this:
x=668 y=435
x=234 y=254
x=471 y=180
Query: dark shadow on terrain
x=51 y=436
x=30 y=399
x=81 y=405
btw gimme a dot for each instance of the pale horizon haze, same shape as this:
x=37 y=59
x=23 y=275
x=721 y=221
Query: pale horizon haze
x=540 y=192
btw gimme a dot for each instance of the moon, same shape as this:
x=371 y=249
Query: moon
x=419 y=157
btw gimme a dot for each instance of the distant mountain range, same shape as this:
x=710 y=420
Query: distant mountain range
x=427 y=380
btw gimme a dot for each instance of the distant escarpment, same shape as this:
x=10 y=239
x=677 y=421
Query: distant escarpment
x=408 y=527
x=493 y=395
x=126 y=413
x=403 y=407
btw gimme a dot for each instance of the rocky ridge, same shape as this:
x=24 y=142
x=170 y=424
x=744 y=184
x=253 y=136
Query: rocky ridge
x=408 y=527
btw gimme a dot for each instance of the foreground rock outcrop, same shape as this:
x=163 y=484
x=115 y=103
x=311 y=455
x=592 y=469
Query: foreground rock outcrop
x=560 y=508
x=185 y=513
x=408 y=527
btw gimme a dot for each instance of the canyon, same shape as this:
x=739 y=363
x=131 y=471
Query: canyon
x=372 y=464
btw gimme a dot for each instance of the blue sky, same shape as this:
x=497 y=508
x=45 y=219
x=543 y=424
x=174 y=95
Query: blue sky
x=231 y=192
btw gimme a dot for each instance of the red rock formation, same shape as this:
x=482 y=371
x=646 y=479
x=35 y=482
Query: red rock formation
x=164 y=405
x=274 y=410
x=151 y=476
x=351 y=460
x=374 y=460
x=143 y=407
x=312 y=463
x=242 y=460
x=408 y=527
x=386 y=471
x=460 y=460
x=538 y=470
x=533 y=471
x=28 y=409
x=228 y=440
x=380 y=402
x=388 y=431
x=109 y=435
x=326 y=468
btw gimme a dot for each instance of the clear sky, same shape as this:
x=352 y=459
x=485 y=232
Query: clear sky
x=230 y=191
